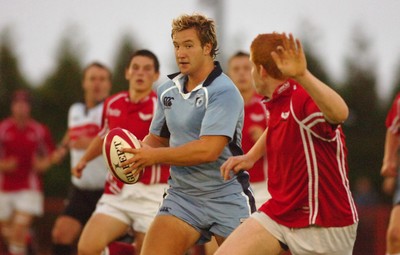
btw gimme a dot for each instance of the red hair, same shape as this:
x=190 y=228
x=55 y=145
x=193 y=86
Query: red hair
x=261 y=49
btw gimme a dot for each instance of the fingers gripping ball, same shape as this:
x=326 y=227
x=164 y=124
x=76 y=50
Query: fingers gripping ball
x=115 y=140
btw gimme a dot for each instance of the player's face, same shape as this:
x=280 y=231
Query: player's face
x=21 y=109
x=141 y=74
x=239 y=71
x=189 y=54
x=96 y=83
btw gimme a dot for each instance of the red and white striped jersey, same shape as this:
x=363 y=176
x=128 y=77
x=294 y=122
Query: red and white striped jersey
x=307 y=163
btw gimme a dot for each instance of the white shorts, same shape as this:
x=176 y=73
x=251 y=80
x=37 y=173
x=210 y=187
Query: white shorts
x=311 y=240
x=26 y=201
x=137 y=209
x=261 y=194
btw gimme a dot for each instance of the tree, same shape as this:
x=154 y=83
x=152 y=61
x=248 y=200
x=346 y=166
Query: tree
x=125 y=50
x=365 y=128
x=396 y=85
x=11 y=78
x=310 y=37
x=59 y=90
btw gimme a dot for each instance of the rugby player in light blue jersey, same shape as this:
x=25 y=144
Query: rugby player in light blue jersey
x=196 y=127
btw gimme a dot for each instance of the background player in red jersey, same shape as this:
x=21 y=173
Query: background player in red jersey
x=25 y=153
x=123 y=206
x=311 y=209
x=389 y=170
x=84 y=121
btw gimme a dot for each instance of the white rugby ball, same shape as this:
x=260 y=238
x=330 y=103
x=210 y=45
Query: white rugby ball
x=115 y=140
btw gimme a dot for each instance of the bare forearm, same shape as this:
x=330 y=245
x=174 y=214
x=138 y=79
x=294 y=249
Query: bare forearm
x=94 y=149
x=204 y=150
x=259 y=149
x=328 y=101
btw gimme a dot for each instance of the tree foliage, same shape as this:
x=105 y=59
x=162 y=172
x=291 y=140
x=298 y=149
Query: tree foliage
x=124 y=51
x=365 y=128
x=59 y=91
x=11 y=77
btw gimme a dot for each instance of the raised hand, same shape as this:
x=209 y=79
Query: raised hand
x=289 y=57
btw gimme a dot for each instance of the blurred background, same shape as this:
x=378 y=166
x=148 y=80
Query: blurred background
x=354 y=46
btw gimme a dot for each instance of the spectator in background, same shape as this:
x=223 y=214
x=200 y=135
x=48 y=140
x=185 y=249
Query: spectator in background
x=124 y=206
x=84 y=121
x=25 y=154
x=390 y=172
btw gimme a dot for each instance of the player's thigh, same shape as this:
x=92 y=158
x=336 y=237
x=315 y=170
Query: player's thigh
x=394 y=222
x=250 y=238
x=99 y=231
x=66 y=230
x=169 y=235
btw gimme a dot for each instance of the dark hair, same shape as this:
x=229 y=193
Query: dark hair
x=149 y=54
x=239 y=54
x=99 y=65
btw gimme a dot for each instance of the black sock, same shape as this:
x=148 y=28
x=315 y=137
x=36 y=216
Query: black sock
x=60 y=249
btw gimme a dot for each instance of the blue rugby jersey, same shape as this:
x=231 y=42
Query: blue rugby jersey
x=214 y=107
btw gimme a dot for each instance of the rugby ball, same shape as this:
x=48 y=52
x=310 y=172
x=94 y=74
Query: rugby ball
x=114 y=141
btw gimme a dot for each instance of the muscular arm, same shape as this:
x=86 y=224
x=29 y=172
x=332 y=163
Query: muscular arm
x=204 y=150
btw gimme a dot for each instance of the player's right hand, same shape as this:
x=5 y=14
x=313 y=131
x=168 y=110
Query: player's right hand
x=78 y=169
x=8 y=165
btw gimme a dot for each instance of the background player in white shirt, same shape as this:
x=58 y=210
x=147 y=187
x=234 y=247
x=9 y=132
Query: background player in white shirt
x=84 y=121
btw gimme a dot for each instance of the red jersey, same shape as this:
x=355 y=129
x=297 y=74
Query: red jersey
x=119 y=111
x=392 y=118
x=307 y=163
x=254 y=116
x=23 y=145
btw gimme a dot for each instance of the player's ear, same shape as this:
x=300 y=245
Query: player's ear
x=263 y=72
x=127 y=74
x=207 y=49
x=156 y=76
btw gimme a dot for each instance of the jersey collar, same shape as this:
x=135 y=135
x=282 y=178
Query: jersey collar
x=210 y=78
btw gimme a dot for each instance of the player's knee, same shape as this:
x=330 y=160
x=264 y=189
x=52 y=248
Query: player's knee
x=64 y=232
x=62 y=237
x=85 y=248
x=394 y=235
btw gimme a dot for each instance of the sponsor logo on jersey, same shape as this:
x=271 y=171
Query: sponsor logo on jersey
x=199 y=100
x=167 y=101
x=285 y=115
x=114 y=112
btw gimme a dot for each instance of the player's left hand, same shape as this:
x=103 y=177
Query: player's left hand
x=235 y=164
x=290 y=58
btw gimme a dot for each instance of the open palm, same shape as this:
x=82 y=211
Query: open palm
x=289 y=57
